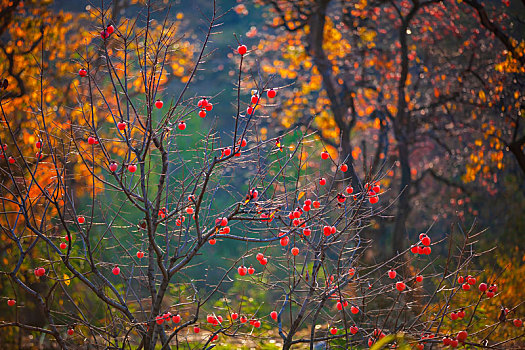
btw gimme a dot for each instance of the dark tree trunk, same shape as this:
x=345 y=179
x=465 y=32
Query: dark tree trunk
x=403 y=205
x=346 y=147
x=341 y=102
x=515 y=148
x=403 y=131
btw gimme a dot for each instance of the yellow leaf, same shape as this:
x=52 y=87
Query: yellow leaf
x=482 y=95
x=301 y=194
x=67 y=281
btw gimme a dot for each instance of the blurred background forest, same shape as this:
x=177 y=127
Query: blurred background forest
x=450 y=151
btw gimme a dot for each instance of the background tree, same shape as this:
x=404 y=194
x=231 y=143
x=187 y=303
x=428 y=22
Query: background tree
x=398 y=83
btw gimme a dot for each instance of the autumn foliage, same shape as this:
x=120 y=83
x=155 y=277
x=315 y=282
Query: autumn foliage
x=331 y=212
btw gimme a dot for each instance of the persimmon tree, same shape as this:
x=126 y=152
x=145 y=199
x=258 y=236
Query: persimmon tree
x=115 y=217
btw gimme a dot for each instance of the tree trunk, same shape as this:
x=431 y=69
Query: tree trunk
x=338 y=95
x=515 y=148
x=403 y=131
x=346 y=147
x=403 y=205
